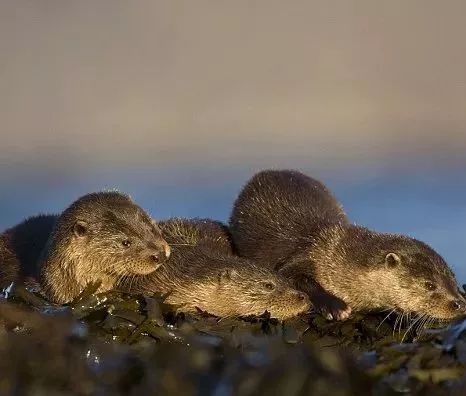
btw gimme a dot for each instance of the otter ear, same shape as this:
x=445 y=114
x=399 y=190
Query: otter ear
x=80 y=228
x=392 y=260
x=226 y=275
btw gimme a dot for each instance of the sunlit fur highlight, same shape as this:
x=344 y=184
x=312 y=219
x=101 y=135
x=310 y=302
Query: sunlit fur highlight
x=356 y=256
x=70 y=262
x=202 y=274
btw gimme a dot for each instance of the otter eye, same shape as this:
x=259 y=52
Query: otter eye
x=269 y=286
x=80 y=228
x=429 y=285
x=126 y=243
x=392 y=259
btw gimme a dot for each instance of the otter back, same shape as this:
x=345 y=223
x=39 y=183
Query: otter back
x=276 y=210
x=186 y=232
x=21 y=246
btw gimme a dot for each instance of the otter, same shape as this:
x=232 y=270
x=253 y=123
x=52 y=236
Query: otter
x=22 y=246
x=198 y=231
x=100 y=237
x=9 y=265
x=202 y=274
x=292 y=223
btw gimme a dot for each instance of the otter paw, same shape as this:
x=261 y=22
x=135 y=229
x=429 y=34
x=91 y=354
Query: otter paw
x=336 y=312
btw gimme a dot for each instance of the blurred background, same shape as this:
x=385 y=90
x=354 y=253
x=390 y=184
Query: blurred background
x=179 y=102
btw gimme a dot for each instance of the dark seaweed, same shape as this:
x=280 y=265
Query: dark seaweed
x=114 y=343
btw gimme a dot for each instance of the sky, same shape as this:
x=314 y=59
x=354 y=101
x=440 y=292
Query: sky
x=179 y=102
x=157 y=83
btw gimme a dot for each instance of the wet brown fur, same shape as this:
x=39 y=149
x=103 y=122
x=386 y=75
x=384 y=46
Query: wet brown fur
x=9 y=265
x=292 y=223
x=205 y=232
x=202 y=274
x=24 y=244
x=87 y=245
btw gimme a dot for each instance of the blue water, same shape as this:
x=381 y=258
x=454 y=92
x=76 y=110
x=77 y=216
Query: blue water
x=428 y=206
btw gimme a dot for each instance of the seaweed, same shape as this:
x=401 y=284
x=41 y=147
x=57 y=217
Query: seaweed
x=113 y=343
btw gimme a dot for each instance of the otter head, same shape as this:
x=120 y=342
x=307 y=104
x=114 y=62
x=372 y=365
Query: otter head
x=114 y=235
x=415 y=278
x=252 y=291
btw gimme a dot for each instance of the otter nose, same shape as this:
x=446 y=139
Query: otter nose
x=155 y=257
x=302 y=296
x=159 y=252
x=458 y=305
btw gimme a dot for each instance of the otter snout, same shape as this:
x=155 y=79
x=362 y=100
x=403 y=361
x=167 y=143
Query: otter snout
x=301 y=296
x=303 y=299
x=159 y=254
x=458 y=306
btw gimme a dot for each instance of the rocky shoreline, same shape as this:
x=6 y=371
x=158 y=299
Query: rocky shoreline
x=121 y=344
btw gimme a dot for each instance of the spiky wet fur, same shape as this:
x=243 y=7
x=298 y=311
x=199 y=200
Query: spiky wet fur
x=70 y=262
